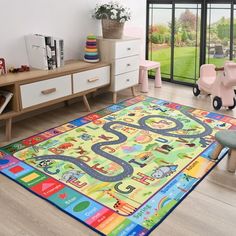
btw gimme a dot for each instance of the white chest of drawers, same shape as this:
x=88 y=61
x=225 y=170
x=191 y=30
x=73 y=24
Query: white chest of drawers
x=123 y=54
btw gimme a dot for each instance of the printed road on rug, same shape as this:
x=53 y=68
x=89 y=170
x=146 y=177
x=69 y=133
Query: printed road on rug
x=120 y=170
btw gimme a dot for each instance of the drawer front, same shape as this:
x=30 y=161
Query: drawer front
x=127 y=48
x=45 y=91
x=91 y=79
x=126 y=64
x=124 y=81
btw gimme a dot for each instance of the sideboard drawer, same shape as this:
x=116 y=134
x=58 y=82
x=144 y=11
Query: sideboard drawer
x=45 y=91
x=91 y=79
x=127 y=48
x=125 y=80
x=126 y=64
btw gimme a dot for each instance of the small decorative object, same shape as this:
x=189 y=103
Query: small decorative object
x=2 y=67
x=23 y=68
x=5 y=97
x=113 y=16
x=91 y=51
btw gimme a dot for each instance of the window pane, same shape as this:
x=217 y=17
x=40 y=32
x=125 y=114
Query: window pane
x=218 y=34
x=187 y=42
x=234 y=35
x=160 y=36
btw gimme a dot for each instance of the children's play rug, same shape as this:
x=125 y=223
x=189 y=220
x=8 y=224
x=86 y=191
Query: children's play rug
x=120 y=170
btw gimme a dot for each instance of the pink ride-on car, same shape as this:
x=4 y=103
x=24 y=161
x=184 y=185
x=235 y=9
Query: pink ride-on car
x=219 y=82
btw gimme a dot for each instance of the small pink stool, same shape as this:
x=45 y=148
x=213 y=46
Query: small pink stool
x=144 y=67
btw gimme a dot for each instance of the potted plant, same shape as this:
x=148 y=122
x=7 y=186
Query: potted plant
x=113 y=16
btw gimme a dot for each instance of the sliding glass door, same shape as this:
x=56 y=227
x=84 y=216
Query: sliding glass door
x=187 y=42
x=174 y=40
x=159 y=46
x=218 y=33
x=184 y=34
x=234 y=35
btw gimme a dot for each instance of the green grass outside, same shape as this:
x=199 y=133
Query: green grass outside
x=184 y=63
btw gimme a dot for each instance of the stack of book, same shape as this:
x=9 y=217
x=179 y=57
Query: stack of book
x=44 y=52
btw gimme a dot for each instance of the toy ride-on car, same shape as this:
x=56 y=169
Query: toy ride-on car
x=219 y=82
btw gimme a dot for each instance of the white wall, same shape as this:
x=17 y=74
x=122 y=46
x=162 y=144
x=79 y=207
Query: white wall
x=137 y=25
x=70 y=20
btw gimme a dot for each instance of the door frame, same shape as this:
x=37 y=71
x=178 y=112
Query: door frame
x=203 y=30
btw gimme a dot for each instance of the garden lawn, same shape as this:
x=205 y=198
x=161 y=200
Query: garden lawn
x=184 y=63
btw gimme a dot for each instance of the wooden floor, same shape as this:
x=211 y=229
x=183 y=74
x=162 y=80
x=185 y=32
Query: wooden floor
x=209 y=210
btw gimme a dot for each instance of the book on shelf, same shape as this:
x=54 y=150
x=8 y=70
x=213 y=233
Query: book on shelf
x=45 y=52
x=59 y=43
x=51 y=52
x=5 y=97
x=36 y=50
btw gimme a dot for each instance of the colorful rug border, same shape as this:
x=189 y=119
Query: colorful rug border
x=120 y=103
x=94 y=229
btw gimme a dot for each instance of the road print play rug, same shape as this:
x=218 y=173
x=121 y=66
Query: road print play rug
x=120 y=170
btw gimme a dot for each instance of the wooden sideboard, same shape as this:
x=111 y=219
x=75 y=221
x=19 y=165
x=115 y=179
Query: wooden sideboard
x=37 y=88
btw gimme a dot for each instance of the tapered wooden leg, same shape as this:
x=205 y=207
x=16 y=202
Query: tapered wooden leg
x=86 y=103
x=217 y=151
x=231 y=164
x=133 y=91
x=8 y=129
x=114 y=97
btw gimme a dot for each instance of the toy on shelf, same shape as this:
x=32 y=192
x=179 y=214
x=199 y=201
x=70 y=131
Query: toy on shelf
x=91 y=51
x=219 y=82
x=23 y=68
x=2 y=67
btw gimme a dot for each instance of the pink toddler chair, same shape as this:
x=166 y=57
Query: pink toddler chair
x=144 y=67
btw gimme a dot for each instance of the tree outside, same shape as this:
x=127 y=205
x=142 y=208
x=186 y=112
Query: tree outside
x=187 y=40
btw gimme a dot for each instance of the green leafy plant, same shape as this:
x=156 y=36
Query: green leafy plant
x=113 y=11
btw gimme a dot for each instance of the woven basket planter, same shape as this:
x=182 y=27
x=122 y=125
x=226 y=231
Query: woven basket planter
x=112 y=29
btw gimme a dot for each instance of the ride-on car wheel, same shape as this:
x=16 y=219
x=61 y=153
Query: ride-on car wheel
x=217 y=103
x=232 y=107
x=196 y=90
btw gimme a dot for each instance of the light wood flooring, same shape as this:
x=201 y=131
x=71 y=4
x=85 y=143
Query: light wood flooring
x=209 y=210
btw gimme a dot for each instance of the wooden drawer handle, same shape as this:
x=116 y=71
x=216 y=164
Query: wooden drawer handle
x=49 y=91
x=93 y=80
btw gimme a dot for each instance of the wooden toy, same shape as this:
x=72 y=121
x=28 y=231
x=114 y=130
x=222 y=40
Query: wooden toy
x=23 y=68
x=91 y=51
